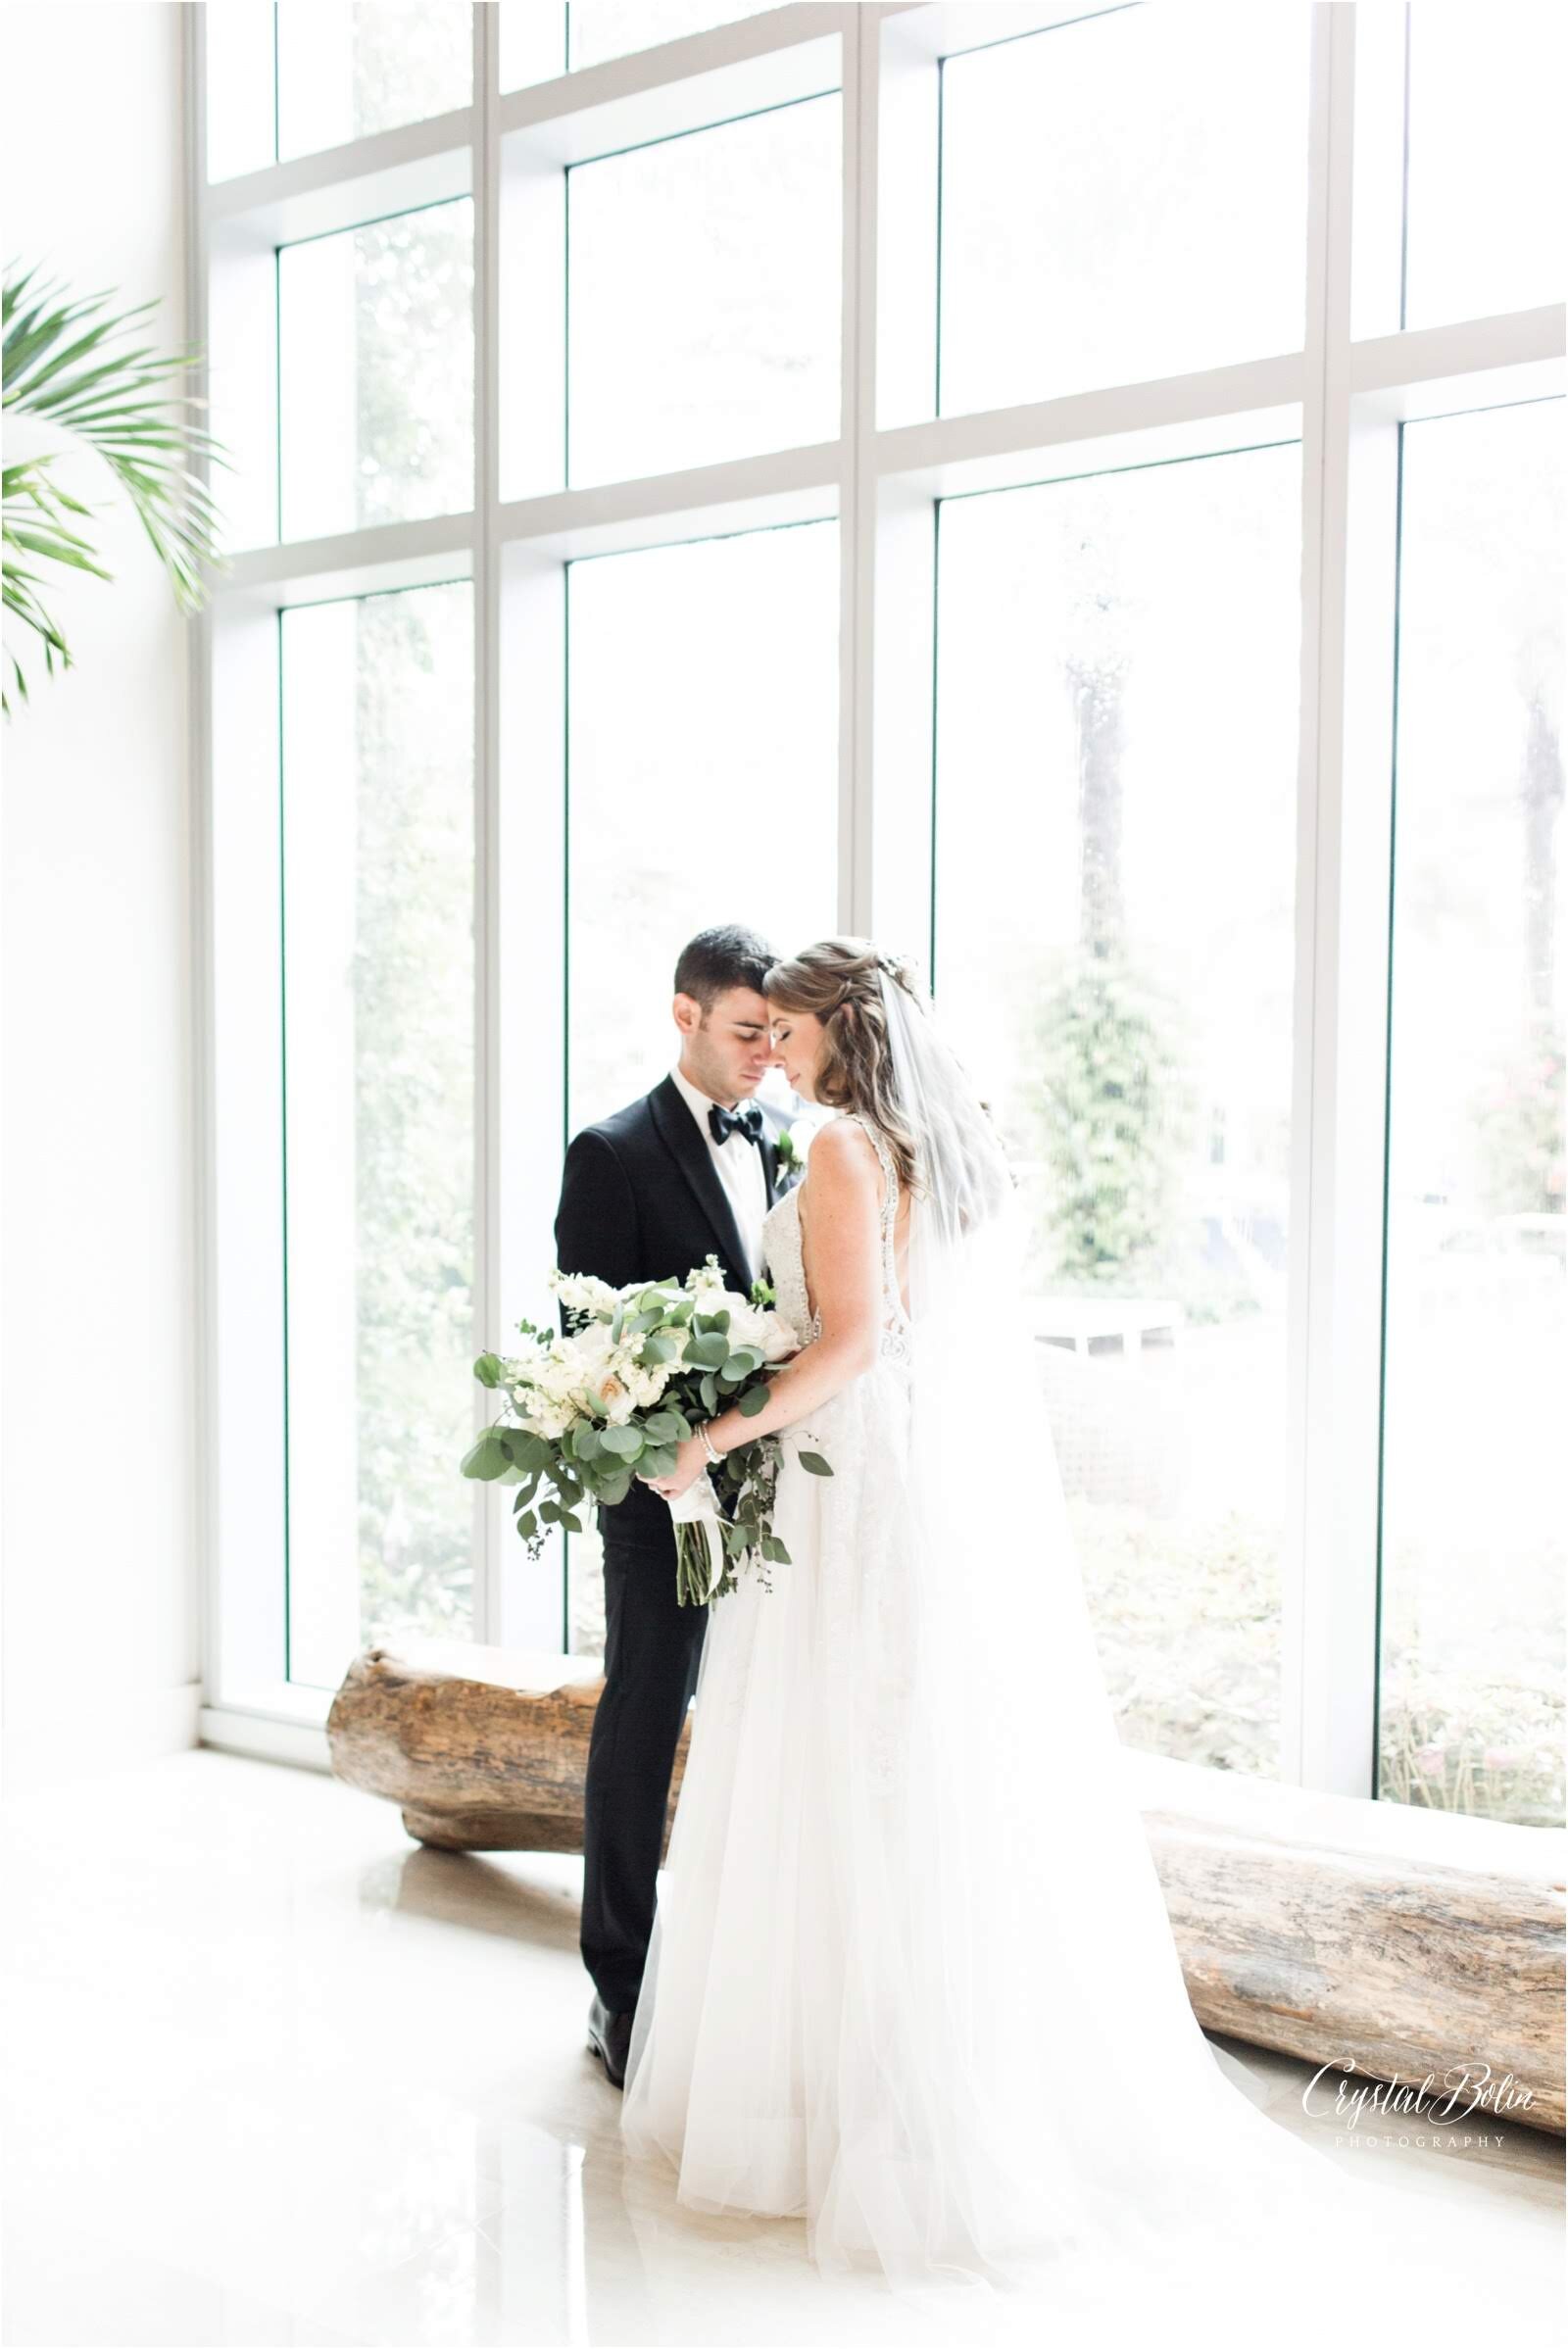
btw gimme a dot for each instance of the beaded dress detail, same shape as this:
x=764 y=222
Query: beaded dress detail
x=782 y=1247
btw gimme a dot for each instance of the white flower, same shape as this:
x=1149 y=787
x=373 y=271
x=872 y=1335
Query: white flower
x=648 y=1385
x=583 y=1293
x=600 y=1371
x=754 y=1325
x=549 y=1420
x=778 y=1339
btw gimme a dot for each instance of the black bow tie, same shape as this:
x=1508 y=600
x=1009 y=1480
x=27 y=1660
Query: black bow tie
x=722 y=1123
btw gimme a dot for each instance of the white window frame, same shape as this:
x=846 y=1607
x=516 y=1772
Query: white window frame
x=1346 y=393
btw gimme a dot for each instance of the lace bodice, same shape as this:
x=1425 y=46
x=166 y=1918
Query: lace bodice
x=781 y=1245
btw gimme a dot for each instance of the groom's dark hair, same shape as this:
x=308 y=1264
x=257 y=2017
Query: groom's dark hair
x=716 y=961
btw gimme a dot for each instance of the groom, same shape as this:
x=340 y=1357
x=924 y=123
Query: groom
x=688 y=1171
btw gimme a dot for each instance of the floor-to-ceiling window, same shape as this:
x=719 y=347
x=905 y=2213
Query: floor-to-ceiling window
x=376 y=823
x=1475 y=1507
x=1117 y=670
x=1067 y=492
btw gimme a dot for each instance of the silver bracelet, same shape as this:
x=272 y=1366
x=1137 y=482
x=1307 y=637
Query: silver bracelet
x=715 y=1457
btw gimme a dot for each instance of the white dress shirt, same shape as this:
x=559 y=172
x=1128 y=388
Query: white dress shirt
x=738 y=1164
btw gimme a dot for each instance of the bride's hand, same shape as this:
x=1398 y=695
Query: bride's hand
x=690 y=1461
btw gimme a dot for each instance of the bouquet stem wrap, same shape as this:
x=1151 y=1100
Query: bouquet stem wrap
x=699 y=1543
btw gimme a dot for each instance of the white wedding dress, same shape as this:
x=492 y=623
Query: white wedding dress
x=911 y=1976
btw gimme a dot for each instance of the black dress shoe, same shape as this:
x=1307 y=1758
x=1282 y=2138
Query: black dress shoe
x=610 y=2039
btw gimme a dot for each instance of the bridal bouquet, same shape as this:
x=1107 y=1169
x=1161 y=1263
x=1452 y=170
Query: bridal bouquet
x=637 y=1369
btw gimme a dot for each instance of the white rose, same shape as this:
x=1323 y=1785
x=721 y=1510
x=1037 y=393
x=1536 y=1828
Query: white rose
x=778 y=1339
x=754 y=1325
x=616 y=1399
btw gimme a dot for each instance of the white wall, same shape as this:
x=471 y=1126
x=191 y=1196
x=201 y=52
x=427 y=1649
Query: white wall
x=98 y=1648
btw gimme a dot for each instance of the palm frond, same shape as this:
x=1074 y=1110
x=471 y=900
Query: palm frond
x=126 y=406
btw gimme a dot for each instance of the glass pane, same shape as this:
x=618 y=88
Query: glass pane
x=377 y=828
x=345 y=71
x=1485 y=186
x=705 y=295
x=375 y=373
x=1122 y=197
x=1477 y=1348
x=1117 y=701
x=241 y=124
x=539 y=41
x=601 y=28
x=533 y=41
x=703 y=707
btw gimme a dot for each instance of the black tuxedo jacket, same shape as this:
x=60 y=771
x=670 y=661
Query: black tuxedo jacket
x=641 y=1201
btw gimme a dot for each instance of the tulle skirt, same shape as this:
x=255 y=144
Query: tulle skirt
x=912 y=1977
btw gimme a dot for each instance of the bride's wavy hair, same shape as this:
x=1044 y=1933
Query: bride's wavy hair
x=837 y=981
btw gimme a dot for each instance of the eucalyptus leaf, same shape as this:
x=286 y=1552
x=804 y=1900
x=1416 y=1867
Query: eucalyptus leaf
x=815 y=1463
x=525 y=1449
x=487 y=1459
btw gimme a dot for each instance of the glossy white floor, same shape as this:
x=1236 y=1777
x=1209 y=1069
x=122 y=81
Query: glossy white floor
x=275 y=2075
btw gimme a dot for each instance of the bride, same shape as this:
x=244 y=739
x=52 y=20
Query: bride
x=911 y=1975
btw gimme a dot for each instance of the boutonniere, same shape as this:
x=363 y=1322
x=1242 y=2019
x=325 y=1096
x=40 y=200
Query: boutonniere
x=789 y=1162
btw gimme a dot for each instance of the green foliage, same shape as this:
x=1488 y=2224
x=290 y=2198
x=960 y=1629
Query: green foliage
x=412 y=978
x=1464 y=1739
x=1187 y=1625
x=1519 y=1130
x=1112 y=1110
x=114 y=403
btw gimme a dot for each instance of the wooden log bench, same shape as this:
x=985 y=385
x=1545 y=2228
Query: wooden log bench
x=485 y=1748
x=1324 y=1927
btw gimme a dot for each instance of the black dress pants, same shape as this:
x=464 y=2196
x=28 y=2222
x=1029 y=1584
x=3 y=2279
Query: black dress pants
x=652 y=1650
